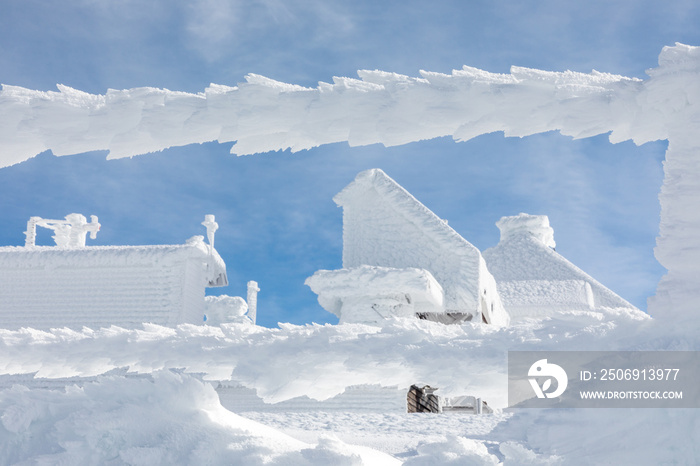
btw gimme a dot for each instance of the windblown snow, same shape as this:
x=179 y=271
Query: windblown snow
x=165 y=409
x=146 y=395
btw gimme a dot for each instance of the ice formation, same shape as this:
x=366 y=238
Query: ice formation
x=385 y=226
x=71 y=285
x=160 y=416
x=263 y=115
x=224 y=309
x=71 y=232
x=401 y=260
x=372 y=294
x=534 y=280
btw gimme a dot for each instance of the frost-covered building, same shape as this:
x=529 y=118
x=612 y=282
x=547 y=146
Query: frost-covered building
x=399 y=258
x=73 y=285
x=536 y=281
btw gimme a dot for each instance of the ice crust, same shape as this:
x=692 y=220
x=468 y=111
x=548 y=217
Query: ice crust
x=380 y=107
x=263 y=115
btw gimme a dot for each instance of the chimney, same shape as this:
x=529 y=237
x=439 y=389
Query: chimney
x=535 y=226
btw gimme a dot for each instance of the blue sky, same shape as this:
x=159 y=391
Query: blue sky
x=277 y=221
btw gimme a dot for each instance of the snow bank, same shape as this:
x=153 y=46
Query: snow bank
x=597 y=436
x=171 y=417
x=321 y=361
x=165 y=419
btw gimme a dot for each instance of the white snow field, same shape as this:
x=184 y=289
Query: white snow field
x=146 y=395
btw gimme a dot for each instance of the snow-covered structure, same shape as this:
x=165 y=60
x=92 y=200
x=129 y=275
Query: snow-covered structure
x=536 y=281
x=384 y=226
x=98 y=286
x=370 y=294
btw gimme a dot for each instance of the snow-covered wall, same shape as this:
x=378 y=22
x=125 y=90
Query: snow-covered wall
x=46 y=287
x=380 y=107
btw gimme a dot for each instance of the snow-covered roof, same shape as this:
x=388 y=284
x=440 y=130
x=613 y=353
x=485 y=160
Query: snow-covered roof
x=99 y=286
x=384 y=225
x=405 y=203
x=533 y=278
x=50 y=257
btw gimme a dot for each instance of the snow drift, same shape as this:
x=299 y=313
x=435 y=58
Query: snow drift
x=320 y=361
x=167 y=419
x=162 y=413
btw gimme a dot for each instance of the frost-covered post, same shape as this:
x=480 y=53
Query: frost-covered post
x=78 y=228
x=211 y=226
x=70 y=232
x=30 y=234
x=252 y=299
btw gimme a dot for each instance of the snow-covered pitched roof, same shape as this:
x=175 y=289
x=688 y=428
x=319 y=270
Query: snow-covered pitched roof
x=384 y=225
x=533 y=279
x=406 y=204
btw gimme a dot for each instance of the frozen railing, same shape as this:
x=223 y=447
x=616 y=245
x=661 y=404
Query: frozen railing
x=68 y=233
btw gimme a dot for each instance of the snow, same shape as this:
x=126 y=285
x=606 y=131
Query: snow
x=385 y=226
x=320 y=361
x=534 y=280
x=536 y=226
x=96 y=286
x=165 y=419
x=223 y=309
x=157 y=405
x=370 y=294
x=262 y=114
x=380 y=107
x=163 y=407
